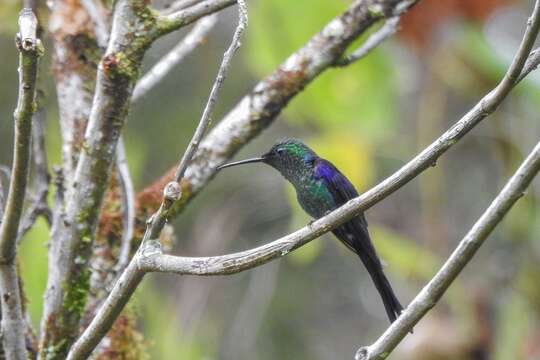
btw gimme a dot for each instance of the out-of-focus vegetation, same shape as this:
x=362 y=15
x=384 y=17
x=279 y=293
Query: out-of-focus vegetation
x=368 y=119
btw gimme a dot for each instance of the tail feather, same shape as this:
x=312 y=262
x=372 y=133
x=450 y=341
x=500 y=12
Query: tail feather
x=355 y=236
x=391 y=304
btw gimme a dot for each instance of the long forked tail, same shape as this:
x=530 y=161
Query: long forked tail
x=355 y=236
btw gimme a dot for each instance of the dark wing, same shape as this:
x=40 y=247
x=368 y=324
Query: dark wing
x=354 y=234
x=339 y=186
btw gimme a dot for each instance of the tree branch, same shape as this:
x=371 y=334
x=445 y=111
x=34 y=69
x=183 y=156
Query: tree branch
x=214 y=93
x=434 y=290
x=13 y=325
x=173 y=57
x=185 y=16
x=387 y=30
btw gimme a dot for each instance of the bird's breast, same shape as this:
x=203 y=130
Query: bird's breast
x=315 y=198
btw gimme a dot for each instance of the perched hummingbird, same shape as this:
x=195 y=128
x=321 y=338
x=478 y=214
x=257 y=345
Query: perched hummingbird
x=321 y=188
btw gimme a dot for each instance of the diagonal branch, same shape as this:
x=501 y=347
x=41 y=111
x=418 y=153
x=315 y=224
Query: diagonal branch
x=173 y=57
x=13 y=325
x=435 y=289
x=206 y=118
x=187 y=15
x=387 y=30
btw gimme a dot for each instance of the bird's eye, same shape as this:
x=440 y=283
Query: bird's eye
x=280 y=151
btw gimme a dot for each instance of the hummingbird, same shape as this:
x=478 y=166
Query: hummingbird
x=320 y=188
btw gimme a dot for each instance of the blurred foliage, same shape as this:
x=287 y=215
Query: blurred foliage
x=359 y=99
x=33 y=253
x=8 y=11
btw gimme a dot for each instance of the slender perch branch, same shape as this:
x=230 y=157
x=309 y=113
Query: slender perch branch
x=435 y=289
x=206 y=118
x=13 y=325
x=143 y=87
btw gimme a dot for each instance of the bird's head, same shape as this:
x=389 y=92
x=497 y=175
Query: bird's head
x=287 y=156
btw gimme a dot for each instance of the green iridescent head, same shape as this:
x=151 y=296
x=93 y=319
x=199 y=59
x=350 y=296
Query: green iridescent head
x=288 y=156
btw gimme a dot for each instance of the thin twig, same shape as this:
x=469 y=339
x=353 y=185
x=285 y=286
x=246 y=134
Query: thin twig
x=194 y=38
x=128 y=205
x=387 y=30
x=143 y=87
x=434 y=290
x=206 y=118
x=13 y=324
x=531 y=64
x=169 y=22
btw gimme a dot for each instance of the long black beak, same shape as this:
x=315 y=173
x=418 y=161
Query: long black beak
x=241 y=162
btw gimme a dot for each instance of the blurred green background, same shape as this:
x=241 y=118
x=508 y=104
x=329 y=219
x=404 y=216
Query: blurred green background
x=369 y=119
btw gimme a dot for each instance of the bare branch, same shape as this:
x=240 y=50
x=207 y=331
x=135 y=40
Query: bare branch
x=531 y=64
x=523 y=53
x=185 y=16
x=434 y=290
x=214 y=93
x=387 y=30
x=173 y=57
x=13 y=325
x=128 y=205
